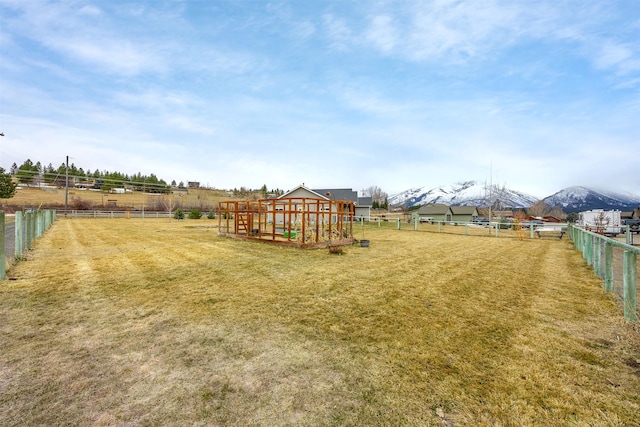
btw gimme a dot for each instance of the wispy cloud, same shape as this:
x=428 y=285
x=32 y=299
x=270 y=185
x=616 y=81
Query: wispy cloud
x=338 y=32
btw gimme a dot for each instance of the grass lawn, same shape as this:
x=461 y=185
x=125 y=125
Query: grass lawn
x=162 y=322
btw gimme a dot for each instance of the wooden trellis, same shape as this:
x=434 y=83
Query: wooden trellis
x=303 y=222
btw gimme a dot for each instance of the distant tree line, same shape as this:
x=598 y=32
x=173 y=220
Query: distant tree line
x=34 y=173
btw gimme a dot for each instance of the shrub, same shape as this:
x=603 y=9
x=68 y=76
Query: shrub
x=195 y=214
x=211 y=215
x=81 y=204
x=178 y=214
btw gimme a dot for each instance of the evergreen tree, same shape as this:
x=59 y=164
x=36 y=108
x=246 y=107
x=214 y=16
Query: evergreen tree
x=7 y=186
x=27 y=172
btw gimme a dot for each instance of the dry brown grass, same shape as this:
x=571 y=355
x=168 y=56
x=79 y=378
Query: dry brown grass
x=164 y=323
x=202 y=199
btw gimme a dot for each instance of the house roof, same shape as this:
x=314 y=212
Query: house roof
x=464 y=210
x=502 y=214
x=314 y=193
x=434 y=209
x=365 y=201
x=333 y=194
x=338 y=193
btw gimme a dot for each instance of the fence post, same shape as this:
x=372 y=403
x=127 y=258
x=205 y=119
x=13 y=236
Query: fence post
x=37 y=218
x=439 y=223
x=19 y=248
x=415 y=224
x=608 y=267
x=3 y=255
x=630 y=290
x=578 y=238
x=29 y=228
x=597 y=247
x=590 y=250
x=398 y=223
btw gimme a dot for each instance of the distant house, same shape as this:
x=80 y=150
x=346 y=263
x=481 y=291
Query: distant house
x=440 y=212
x=464 y=213
x=502 y=214
x=193 y=184
x=551 y=218
x=362 y=204
x=433 y=212
x=634 y=214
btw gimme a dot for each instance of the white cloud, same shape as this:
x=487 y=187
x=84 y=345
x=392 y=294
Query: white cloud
x=382 y=33
x=338 y=32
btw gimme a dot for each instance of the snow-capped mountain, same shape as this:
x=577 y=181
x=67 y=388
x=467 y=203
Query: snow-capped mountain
x=577 y=199
x=476 y=193
x=468 y=193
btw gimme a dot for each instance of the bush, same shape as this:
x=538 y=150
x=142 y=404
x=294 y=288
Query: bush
x=211 y=215
x=195 y=214
x=178 y=214
x=81 y=204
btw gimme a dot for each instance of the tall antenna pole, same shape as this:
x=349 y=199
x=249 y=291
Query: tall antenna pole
x=490 y=189
x=66 y=187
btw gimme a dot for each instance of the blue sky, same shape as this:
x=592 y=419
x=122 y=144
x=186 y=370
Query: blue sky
x=534 y=95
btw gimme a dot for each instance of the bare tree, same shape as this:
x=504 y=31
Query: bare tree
x=378 y=196
x=495 y=197
x=540 y=209
x=601 y=222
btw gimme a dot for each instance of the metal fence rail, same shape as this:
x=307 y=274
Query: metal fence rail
x=493 y=229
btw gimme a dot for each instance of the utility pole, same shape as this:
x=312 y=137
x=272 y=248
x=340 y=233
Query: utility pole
x=66 y=188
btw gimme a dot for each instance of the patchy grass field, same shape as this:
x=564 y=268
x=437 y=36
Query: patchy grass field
x=159 y=322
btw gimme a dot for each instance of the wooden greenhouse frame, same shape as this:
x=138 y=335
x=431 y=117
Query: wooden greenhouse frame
x=302 y=222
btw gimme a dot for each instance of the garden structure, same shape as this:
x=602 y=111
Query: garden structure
x=296 y=221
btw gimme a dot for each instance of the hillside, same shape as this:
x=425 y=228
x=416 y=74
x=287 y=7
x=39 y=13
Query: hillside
x=577 y=199
x=54 y=198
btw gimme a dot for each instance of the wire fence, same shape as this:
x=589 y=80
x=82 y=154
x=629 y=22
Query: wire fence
x=616 y=263
x=488 y=229
x=19 y=233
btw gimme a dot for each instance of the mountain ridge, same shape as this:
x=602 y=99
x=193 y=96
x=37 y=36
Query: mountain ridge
x=476 y=193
